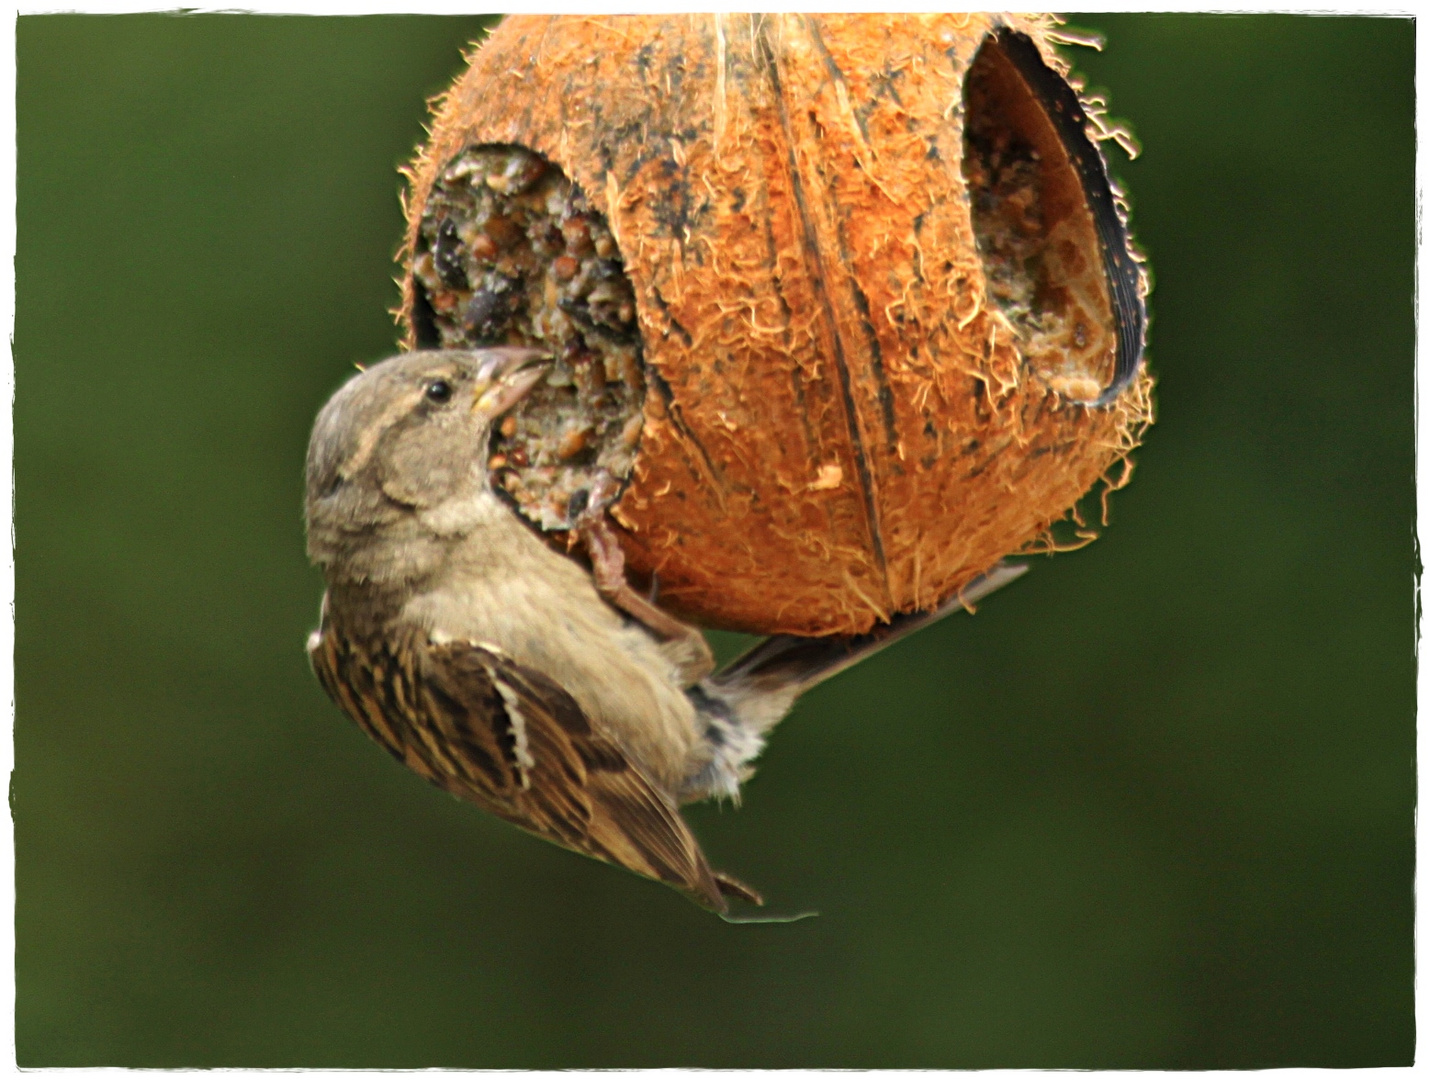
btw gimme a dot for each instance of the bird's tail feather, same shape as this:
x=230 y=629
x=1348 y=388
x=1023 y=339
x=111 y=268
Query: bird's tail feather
x=743 y=701
x=789 y=663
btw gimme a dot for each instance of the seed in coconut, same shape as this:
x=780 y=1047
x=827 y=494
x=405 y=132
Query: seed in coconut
x=510 y=253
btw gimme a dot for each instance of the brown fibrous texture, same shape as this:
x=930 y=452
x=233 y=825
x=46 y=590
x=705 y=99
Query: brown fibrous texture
x=867 y=295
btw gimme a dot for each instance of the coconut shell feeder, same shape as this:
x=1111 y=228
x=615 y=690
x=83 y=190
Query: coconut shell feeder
x=843 y=305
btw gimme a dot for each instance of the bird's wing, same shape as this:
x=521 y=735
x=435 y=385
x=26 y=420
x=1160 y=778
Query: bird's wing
x=483 y=727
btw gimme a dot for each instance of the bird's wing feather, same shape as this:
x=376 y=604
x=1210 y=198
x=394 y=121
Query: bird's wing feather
x=483 y=727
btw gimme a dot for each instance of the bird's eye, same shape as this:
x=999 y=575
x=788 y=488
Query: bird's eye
x=440 y=391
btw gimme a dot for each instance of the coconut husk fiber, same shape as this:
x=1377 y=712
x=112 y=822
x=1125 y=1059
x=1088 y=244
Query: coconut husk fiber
x=876 y=327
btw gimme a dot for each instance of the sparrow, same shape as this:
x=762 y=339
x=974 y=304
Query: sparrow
x=544 y=691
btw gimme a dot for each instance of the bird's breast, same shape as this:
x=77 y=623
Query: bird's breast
x=542 y=610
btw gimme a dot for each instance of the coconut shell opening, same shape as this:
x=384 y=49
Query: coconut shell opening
x=1037 y=190
x=509 y=252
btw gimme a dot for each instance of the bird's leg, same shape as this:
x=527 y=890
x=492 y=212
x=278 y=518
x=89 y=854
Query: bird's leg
x=689 y=649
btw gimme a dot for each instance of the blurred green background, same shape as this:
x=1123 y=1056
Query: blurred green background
x=1152 y=807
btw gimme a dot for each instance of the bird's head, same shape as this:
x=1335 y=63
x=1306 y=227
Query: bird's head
x=401 y=448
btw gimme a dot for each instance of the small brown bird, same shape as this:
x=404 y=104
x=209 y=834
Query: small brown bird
x=496 y=667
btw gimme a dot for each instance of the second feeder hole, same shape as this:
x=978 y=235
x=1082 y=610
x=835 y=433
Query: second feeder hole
x=1036 y=233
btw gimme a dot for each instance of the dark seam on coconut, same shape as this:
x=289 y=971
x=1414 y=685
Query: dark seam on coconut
x=672 y=410
x=816 y=262
x=884 y=393
x=796 y=375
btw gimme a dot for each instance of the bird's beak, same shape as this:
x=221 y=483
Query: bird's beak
x=509 y=375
